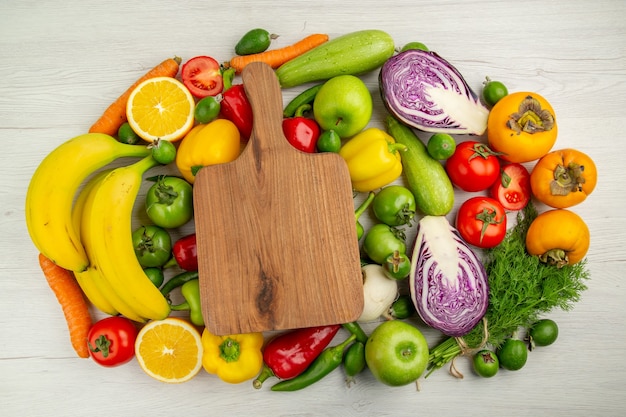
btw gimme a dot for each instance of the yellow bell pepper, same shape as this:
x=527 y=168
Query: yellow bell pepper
x=213 y=143
x=373 y=159
x=233 y=358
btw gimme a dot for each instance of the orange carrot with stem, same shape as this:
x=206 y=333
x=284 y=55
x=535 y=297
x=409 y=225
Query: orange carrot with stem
x=115 y=115
x=72 y=300
x=276 y=57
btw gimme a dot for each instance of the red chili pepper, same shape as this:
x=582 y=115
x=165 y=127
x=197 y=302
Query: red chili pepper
x=185 y=252
x=235 y=106
x=289 y=354
x=301 y=131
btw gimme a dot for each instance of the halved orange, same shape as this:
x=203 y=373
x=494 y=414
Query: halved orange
x=160 y=108
x=169 y=350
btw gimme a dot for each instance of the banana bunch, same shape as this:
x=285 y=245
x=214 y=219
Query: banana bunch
x=93 y=235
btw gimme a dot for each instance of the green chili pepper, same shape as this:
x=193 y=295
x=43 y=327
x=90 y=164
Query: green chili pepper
x=355 y=329
x=305 y=97
x=324 y=364
x=191 y=291
x=178 y=280
x=354 y=361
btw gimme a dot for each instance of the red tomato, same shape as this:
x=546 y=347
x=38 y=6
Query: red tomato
x=112 y=341
x=481 y=221
x=512 y=189
x=473 y=166
x=202 y=76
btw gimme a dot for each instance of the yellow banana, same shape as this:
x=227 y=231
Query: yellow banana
x=110 y=227
x=52 y=189
x=93 y=274
x=86 y=278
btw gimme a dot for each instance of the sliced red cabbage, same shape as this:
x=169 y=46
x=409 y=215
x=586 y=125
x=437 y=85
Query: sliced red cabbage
x=448 y=282
x=425 y=91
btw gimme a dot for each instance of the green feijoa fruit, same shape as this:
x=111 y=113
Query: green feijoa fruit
x=254 y=41
x=543 y=333
x=486 y=363
x=512 y=354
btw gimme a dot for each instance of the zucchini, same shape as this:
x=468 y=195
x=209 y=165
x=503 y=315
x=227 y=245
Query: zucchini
x=426 y=177
x=353 y=53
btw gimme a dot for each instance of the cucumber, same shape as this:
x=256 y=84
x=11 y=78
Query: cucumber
x=426 y=177
x=353 y=53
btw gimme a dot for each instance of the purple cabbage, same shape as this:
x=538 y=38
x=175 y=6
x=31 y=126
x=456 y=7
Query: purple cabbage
x=425 y=91
x=448 y=282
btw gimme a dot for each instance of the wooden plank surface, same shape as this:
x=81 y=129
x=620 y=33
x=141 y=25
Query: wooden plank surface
x=61 y=65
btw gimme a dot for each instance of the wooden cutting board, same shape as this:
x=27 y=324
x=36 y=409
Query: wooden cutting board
x=276 y=232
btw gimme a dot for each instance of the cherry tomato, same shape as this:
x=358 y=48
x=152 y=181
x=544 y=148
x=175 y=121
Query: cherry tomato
x=486 y=363
x=473 y=166
x=202 y=76
x=512 y=189
x=394 y=205
x=111 y=341
x=512 y=354
x=481 y=221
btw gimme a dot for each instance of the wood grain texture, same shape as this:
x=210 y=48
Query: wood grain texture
x=277 y=244
x=61 y=65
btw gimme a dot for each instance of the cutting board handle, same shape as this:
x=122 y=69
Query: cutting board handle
x=265 y=96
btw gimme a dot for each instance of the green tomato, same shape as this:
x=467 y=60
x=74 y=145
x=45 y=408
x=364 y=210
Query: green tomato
x=207 y=109
x=382 y=240
x=543 y=333
x=397 y=265
x=163 y=151
x=169 y=202
x=329 y=141
x=512 y=354
x=486 y=363
x=155 y=275
x=493 y=91
x=153 y=246
x=394 y=205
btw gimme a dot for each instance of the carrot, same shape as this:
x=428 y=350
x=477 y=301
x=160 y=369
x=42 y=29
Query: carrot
x=72 y=300
x=115 y=115
x=276 y=57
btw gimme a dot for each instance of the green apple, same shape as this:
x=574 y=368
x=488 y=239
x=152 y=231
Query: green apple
x=396 y=353
x=343 y=104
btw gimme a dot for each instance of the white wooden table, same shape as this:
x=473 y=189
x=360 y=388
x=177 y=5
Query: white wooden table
x=62 y=63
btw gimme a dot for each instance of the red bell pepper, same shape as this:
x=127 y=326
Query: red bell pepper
x=289 y=354
x=301 y=131
x=235 y=106
x=185 y=252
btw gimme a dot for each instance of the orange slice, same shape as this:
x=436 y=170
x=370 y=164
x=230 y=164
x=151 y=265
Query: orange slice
x=160 y=108
x=169 y=350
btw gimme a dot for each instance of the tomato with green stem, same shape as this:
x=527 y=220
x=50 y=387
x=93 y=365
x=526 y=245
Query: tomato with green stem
x=169 y=201
x=394 y=205
x=473 y=166
x=111 y=341
x=481 y=221
x=512 y=189
x=382 y=240
x=153 y=245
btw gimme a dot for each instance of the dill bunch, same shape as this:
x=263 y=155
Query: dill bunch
x=521 y=288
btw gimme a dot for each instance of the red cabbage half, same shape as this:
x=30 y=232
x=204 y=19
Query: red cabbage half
x=425 y=91
x=448 y=282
